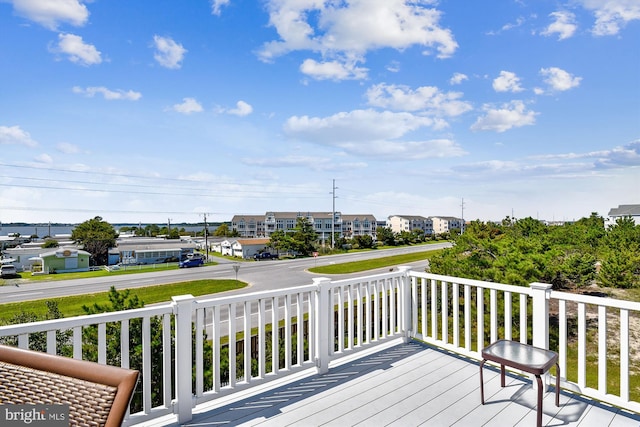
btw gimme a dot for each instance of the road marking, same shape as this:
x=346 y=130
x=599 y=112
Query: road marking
x=23 y=294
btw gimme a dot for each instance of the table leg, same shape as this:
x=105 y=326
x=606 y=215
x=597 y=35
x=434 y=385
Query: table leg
x=481 y=382
x=557 y=384
x=502 y=375
x=539 y=421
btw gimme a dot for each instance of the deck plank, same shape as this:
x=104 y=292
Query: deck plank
x=408 y=385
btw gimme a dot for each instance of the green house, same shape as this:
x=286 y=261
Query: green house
x=61 y=260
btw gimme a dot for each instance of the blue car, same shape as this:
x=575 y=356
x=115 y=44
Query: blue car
x=191 y=262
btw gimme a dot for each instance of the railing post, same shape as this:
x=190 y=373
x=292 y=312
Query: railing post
x=182 y=308
x=324 y=315
x=540 y=308
x=405 y=289
x=540 y=321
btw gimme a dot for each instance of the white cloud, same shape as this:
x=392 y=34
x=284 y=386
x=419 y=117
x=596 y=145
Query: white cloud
x=44 y=158
x=558 y=79
x=314 y=163
x=370 y=133
x=15 y=135
x=612 y=15
x=357 y=125
x=332 y=70
x=168 y=53
x=51 y=13
x=77 y=50
x=458 y=78
x=427 y=99
x=188 y=106
x=564 y=25
x=108 y=94
x=67 y=148
x=507 y=82
x=346 y=31
x=513 y=114
x=242 y=109
x=216 y=6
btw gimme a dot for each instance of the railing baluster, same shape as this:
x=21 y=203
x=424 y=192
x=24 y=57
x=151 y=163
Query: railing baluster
x=624 y=354
x=523 y=318
x=102 y=343
x=77 y=343
x=216 y=331
x=246 y=314
x=146 y=363
x=51 y=341
x=300 y=334
x=602 y=349
x=275 y=336
x=262 y=338
x=508 y=316
x=455 y=294
x=424 y=307
x=582 y=345
x=287 y=332
x=445 y=311
x=124 y=343
x=467 y=317
x=480 y=317
x=232 y=344
x=199 y=350
x=360 y=318
x=434 y=309
x=166 y=359
x=340 y=294
x=493 y=314
x=562 y=337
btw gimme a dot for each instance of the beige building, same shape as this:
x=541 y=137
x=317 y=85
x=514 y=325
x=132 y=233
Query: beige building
x=429 y=225
x=323 y=223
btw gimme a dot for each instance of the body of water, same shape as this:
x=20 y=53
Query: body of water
x=42 y=230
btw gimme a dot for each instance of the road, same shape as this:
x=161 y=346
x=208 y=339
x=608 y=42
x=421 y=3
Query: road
x=262 y=275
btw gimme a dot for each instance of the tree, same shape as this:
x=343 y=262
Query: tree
x=96 y=236
x=386 y=236
x=50 y=243
x=223 y=230
x=304 y=237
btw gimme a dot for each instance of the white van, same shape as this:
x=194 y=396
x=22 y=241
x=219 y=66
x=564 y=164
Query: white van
x=8 y=270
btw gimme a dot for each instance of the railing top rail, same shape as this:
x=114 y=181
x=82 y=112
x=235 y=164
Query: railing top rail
x=590 y=299
x=215 y=301
x=370 y=278
x=472 y=282
x=89 y=319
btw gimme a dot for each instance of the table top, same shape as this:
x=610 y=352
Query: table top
x=521 y=356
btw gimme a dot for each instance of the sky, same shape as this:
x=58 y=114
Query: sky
x=173 y=111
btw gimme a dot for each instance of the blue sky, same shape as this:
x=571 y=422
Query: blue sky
x=150 y=111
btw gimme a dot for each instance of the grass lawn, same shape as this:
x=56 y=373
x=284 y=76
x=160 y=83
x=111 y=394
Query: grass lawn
x=133 y=269
x=72 y=305
x=371 y=264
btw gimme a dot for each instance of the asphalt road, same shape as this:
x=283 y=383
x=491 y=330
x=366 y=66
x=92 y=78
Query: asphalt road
x=262 y=275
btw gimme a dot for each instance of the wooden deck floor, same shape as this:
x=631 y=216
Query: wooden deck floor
x=408 y=385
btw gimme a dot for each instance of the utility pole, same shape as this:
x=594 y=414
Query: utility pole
x=462 y=213
x=333 y=215
x=206 y=242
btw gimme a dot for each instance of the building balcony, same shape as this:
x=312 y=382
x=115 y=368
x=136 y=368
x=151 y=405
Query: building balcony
x=399 y=348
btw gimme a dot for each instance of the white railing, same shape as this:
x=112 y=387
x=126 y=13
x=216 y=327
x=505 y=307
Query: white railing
x=191 y=351
x=451 y=312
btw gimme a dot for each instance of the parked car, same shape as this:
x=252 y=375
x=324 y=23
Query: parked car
x=8 y=270
x=195 y=261
x=265 y=255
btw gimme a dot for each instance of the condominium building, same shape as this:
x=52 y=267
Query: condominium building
x=323 y=223
x=429 y=225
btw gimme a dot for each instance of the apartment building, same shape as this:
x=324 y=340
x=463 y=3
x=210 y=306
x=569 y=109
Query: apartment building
x=409 y=223
x=323 y=223
x=429 y=225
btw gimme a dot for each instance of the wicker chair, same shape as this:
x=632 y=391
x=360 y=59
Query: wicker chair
x=96 y=394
